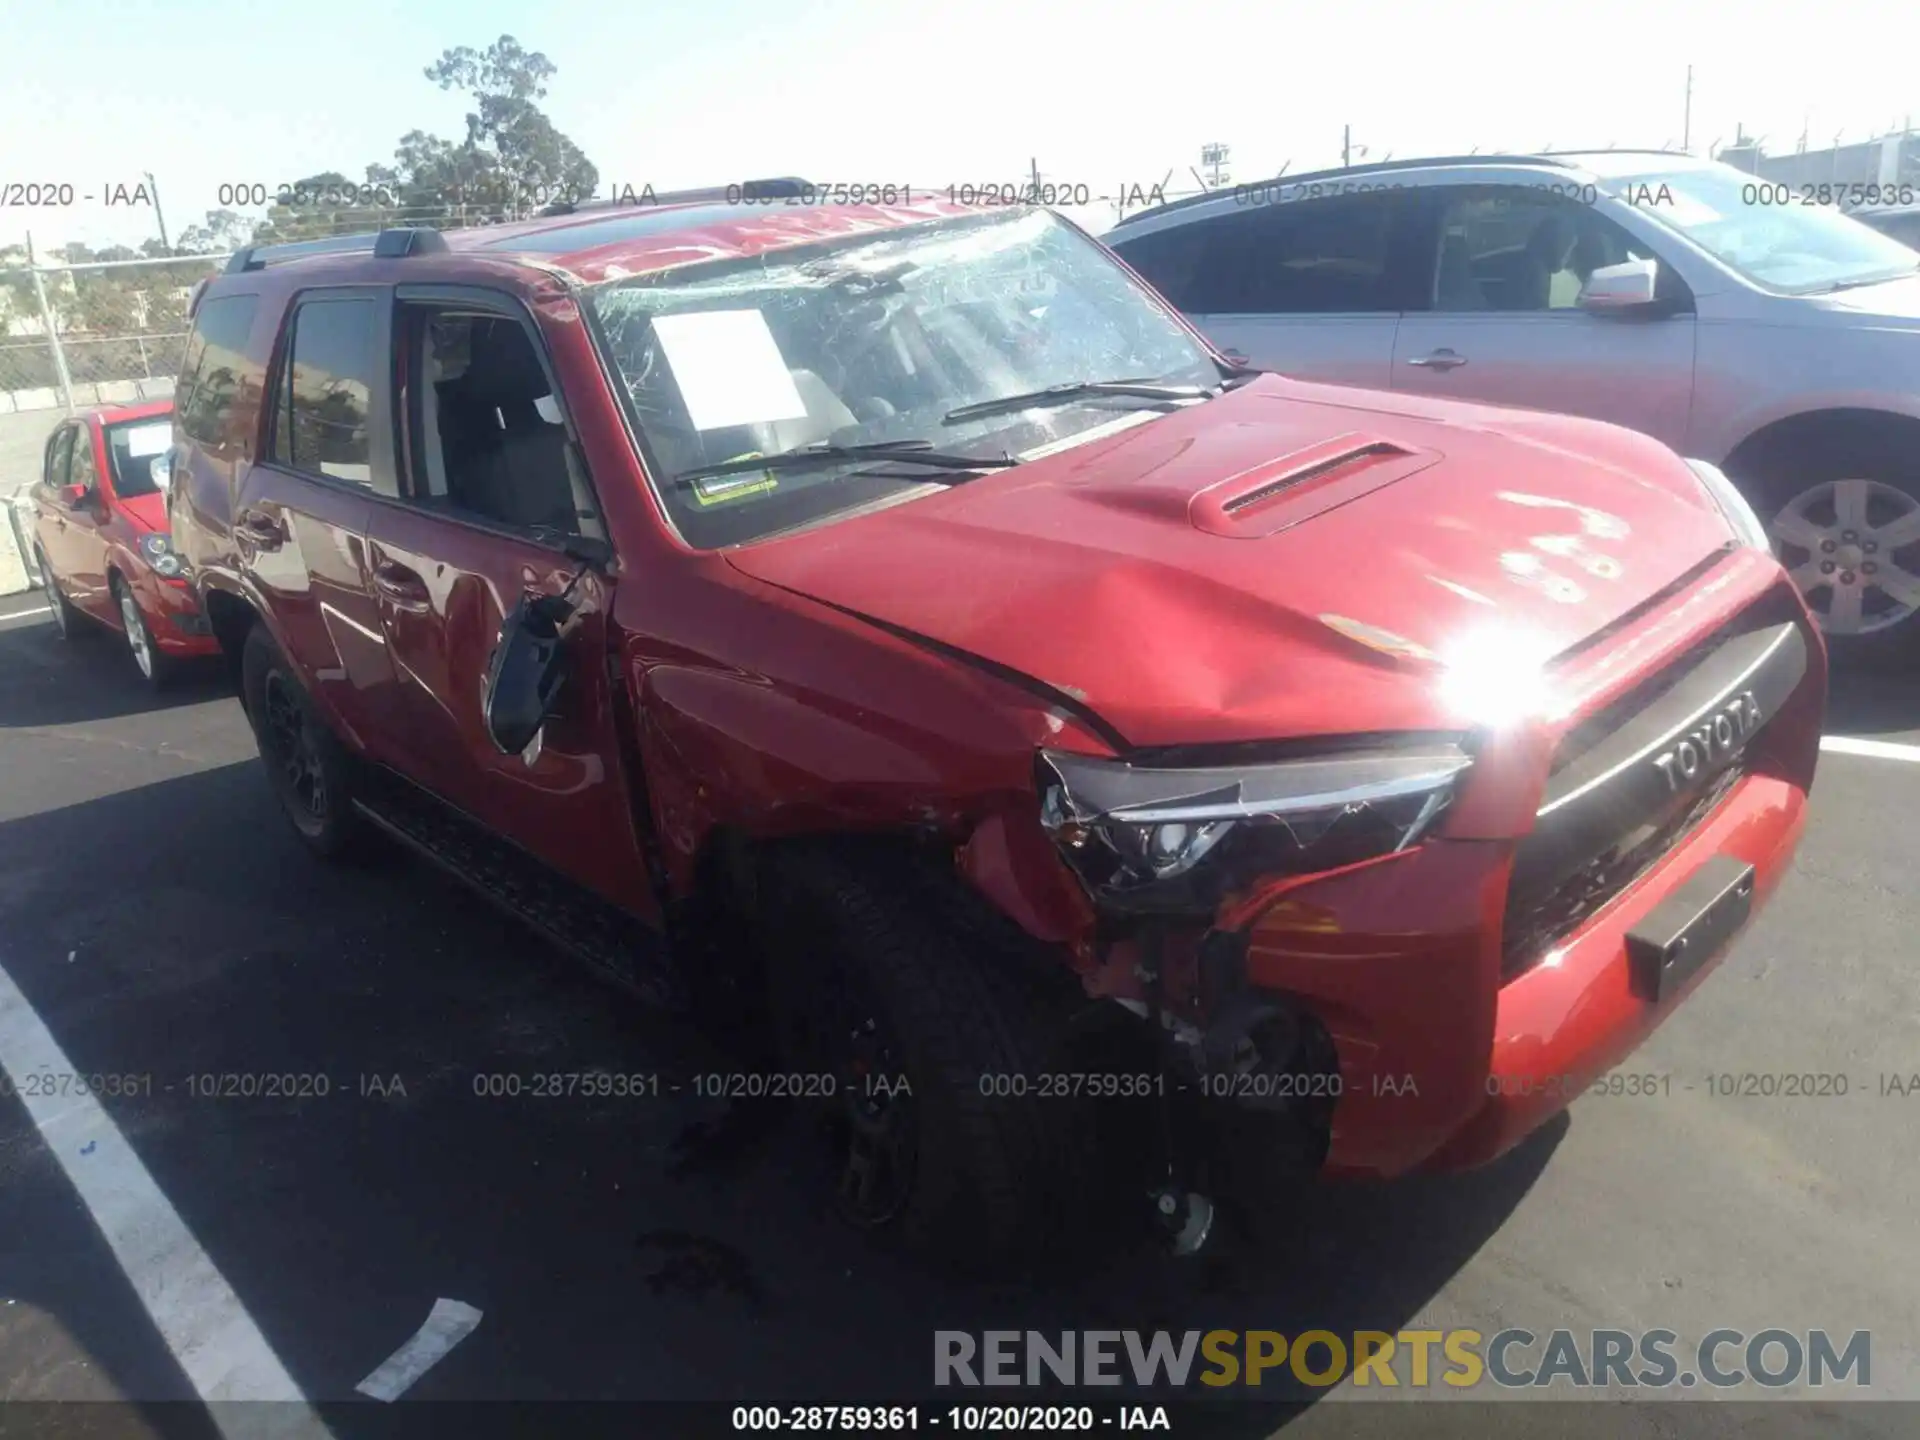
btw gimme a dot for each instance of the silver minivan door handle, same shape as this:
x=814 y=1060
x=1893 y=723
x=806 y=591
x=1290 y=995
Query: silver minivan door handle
x=1439 y=360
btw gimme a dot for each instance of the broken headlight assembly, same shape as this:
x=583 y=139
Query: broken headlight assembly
x=1146 y=839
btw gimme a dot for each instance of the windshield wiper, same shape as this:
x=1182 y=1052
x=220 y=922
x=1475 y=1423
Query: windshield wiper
x=913 y=452
x=1840 y=285
x=1076 y=390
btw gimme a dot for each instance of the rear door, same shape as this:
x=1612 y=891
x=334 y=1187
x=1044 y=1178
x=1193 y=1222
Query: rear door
x=51 y=513
x=300 y=510
x=492 y=491
x=1501 y=323
x=1302 y=286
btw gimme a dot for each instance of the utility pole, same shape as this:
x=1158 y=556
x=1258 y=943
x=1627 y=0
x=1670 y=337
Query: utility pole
x=159 y=219
x=1214 y=156
x=1686 y=125
x=1346 y=146
x=1033 y=164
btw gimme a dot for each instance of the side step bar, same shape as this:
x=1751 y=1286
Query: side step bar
x=619 y=946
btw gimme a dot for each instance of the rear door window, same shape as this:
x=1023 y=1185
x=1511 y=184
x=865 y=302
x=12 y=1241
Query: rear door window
x=1302 y=257
x=218 y=385
x=59 y=457
x=322 y=414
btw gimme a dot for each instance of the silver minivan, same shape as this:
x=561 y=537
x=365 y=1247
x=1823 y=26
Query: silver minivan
x=1725 y=315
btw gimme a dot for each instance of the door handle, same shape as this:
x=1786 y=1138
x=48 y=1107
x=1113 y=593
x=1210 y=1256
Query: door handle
x=402 y=586
x=1442 y=359
x=262 y=529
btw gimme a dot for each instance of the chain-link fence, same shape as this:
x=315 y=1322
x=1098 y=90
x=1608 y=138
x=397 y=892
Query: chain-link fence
x=96 y=332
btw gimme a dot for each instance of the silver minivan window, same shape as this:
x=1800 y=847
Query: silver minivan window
x=1765 y=233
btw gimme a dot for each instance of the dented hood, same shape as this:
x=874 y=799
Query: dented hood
x=1286 y=560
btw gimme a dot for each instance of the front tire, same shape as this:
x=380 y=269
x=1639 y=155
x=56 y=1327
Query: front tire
x=157 y=668
x=865 y=988
x=310 y=770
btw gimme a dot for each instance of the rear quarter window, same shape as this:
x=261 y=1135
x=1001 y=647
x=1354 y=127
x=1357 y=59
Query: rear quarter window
x=219 y=385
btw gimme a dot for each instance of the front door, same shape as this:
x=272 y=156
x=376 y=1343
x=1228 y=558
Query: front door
x=492 y=491
x=1504 y=271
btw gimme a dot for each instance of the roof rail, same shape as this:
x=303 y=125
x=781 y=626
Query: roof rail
x=786 y=187
x=393 y=243
x=1378 y=167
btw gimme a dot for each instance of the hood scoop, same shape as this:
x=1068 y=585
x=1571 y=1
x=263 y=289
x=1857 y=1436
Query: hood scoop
x=1276 y=495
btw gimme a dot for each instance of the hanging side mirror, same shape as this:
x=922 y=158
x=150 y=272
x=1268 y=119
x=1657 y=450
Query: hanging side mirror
x=526 y=672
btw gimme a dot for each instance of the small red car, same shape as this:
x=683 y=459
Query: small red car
x=100 y=536
x=893 y=622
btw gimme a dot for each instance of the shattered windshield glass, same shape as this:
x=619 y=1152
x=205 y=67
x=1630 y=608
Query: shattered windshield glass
x=873 y=339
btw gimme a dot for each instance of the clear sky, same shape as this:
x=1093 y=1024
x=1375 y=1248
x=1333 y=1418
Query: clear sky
x=1102 y=92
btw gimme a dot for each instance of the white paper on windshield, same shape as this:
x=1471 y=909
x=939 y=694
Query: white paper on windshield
x=729 y=369
x=145 y=440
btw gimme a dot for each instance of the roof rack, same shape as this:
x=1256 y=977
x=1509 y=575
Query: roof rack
x=394 y=243
x=786 y=187
x=1376 y=168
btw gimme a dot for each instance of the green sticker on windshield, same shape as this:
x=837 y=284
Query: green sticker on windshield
x=725 y=489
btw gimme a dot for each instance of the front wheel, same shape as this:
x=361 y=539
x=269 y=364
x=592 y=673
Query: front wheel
x=311 y=772
x=1847 y=527
x=156 y=667
x=905 y=1037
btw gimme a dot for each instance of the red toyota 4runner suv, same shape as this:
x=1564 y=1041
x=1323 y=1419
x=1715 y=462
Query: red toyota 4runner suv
x=896 y=623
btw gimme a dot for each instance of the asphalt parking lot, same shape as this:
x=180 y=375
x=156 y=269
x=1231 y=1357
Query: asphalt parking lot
x=162 y=924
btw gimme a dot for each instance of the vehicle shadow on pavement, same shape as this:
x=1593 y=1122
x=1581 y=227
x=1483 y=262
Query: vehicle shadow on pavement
x=656 y=1246
x=45 y=680
x=1867 y=703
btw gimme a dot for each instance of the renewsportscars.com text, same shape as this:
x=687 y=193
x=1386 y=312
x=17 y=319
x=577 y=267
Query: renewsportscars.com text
x=1511 y=1358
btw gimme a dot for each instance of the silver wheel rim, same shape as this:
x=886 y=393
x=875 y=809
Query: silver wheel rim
x=136 y=634
x=1853 y=548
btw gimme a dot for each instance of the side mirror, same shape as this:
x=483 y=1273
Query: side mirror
x=76 y=496
x=1620 y=287
x=526 y=672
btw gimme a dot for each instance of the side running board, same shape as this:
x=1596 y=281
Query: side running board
x=619 y=946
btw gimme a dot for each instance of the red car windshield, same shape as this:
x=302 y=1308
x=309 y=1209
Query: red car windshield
x=872 y=340
x=137 y=455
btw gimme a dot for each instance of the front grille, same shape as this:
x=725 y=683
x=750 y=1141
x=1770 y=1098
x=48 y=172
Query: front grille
x=1633 y=780
x=1536 y=922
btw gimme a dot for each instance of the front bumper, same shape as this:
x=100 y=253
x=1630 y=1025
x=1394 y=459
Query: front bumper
x=1449 y=1052
x=174 y=617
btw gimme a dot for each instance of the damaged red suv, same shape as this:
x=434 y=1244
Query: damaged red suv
x=894 y=622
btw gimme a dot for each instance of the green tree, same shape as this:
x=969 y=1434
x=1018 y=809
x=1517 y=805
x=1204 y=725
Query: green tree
x=222 y=232
x=510 y=140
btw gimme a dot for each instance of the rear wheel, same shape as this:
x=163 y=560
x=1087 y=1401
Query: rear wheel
x=912 y=1035
x=1846 y=524
x=67 y=620
x=310 y=770
x=156 y=667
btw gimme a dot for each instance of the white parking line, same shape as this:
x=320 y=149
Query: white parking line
x=1877 y=749
x=23 y=614
x=219 y=1348
x=446 y=1325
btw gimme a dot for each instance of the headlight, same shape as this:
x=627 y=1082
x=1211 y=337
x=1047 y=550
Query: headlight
x=1746 y=525
x=158 y=550
x=1147 y=839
